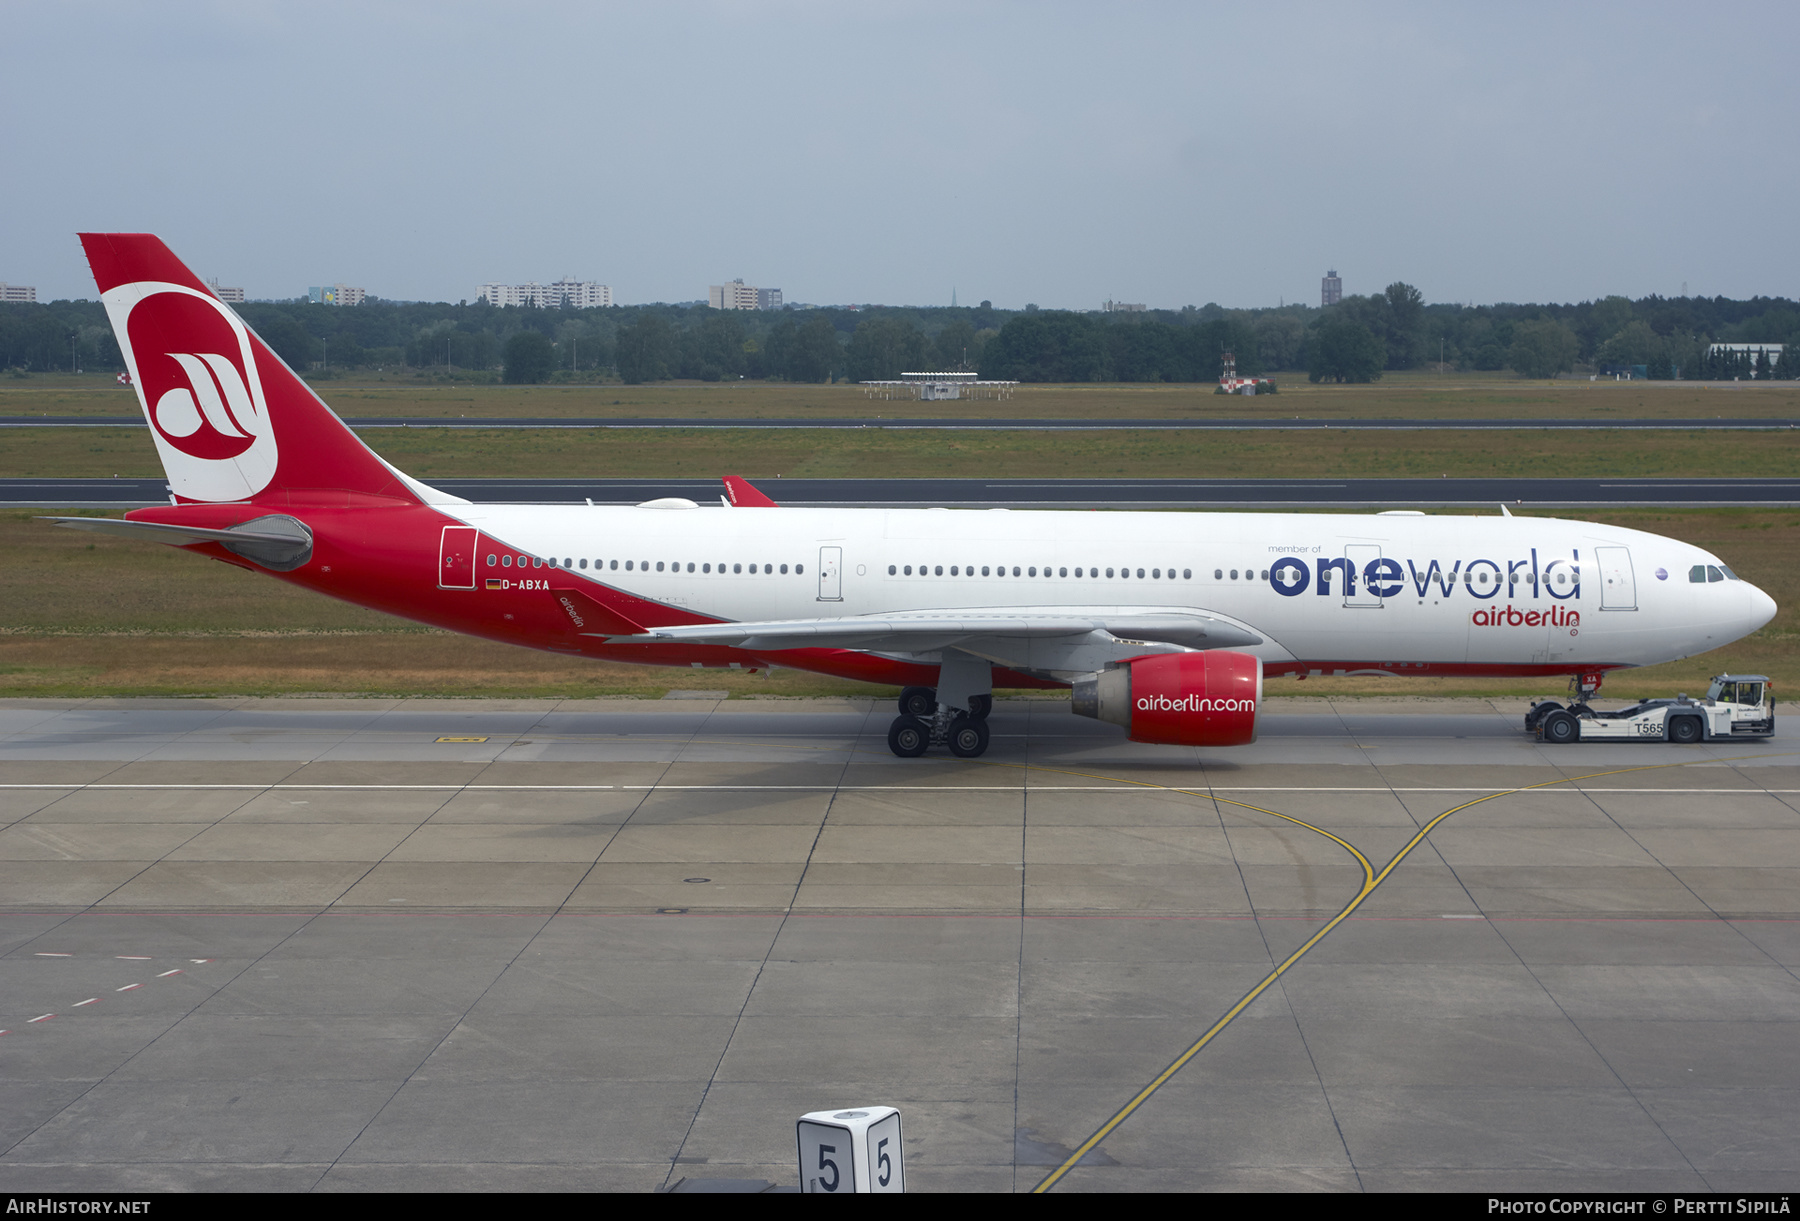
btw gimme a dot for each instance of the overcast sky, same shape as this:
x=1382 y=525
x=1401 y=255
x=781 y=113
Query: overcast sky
x=1058 y=154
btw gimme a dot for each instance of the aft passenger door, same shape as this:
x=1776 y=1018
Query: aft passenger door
x=456 y=557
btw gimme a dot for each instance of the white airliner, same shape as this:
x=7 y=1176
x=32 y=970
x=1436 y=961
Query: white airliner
x=1163 y=623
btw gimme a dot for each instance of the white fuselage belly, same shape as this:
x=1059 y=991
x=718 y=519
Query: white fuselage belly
x=1489 y=592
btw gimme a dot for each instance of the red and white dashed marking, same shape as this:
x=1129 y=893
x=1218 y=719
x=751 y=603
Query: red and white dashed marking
x=45 y=1017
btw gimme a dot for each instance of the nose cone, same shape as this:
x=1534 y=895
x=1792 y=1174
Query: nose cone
x=1760 y=607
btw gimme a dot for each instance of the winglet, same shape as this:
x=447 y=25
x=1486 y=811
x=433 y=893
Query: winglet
x=743 y=496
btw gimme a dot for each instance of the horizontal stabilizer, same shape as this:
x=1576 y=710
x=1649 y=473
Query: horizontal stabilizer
x=276 y=541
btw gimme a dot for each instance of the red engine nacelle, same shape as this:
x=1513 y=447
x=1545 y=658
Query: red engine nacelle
x=1178 y=699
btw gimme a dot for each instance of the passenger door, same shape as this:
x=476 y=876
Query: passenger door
x=831 y=578
x=456 y=557
x=1618 y=585
x=1357 y=590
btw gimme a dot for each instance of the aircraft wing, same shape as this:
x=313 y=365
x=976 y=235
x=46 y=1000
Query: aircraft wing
x=924 y=631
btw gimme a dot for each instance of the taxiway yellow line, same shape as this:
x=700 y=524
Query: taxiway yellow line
x=1370 y=881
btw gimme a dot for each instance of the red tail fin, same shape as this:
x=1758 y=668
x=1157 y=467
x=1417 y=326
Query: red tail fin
x=744 y=496
x=230 y=420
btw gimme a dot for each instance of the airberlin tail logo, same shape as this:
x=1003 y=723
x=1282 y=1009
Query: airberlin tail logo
x=195 y=371
x=212 y=416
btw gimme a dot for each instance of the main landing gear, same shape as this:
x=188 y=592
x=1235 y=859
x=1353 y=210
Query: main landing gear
x=923 y=723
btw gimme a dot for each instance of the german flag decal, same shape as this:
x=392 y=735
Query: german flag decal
x=496 y=583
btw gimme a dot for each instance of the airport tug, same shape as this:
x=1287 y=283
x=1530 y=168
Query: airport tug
x=1735 y=706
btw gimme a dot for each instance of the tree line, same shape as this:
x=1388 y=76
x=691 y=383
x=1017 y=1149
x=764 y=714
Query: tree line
x=1356 y=340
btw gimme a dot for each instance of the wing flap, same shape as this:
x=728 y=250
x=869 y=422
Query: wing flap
x=915 y=632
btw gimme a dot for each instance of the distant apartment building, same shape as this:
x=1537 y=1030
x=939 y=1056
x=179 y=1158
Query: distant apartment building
x=18 y=292
x=1331 y=289
x=1748 y=349
x=335 y=294
x=1124 y=307
x=739 y=295
x=232 y=296
x=563 y=294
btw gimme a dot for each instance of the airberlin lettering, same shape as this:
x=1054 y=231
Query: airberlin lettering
x=1556 y=616
x=1192 y=703
x=1533 y=577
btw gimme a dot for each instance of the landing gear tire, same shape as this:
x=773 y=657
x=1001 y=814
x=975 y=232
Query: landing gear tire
x=908 y=737
x=1685 y=730
x=980 y=706
x=968 y=737
x=918 y=702
x=1561 y=728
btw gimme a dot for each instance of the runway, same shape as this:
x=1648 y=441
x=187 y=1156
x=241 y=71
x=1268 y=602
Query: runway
x=1267 y=423
x=442 y=945
x=1031 y=493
